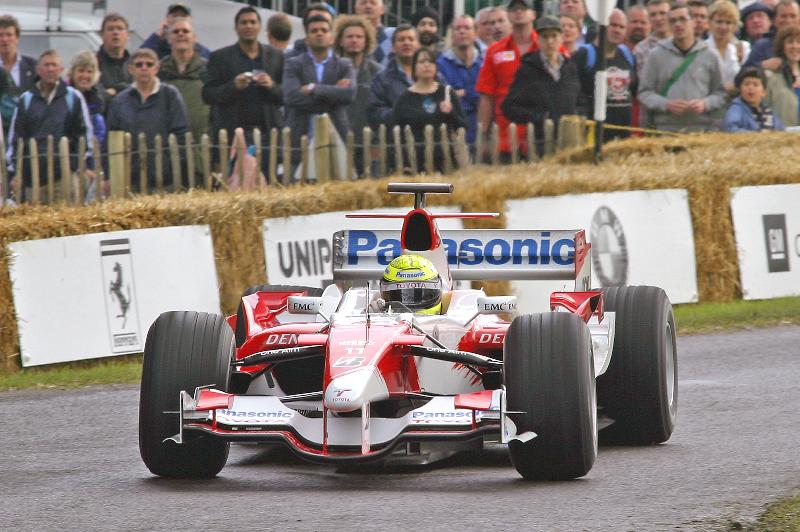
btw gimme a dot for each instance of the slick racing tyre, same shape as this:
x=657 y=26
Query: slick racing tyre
x=549 y=377
x=639 y=391
x=241 y=333
x=184 y=350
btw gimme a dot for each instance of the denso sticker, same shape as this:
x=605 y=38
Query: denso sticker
x=281 y=339
x=268 y=417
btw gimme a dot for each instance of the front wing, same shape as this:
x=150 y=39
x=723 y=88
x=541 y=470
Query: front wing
x=320 y=436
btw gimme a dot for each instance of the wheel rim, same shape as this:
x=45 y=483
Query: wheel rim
x=670 y=365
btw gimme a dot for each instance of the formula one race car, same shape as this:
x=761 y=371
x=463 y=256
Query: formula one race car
x=392 y=362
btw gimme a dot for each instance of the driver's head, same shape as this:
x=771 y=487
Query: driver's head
x=413 y=281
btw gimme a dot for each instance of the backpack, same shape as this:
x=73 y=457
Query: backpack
x=28 y=96
x=591 y=55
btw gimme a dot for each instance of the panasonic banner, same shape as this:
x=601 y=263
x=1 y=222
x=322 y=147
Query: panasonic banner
x=298 y=249
x=766 y=222
x=637 y=237
x=91 y=296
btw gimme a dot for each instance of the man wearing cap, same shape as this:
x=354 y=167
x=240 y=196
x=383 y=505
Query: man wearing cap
x=546 y=84
x=681 y=84
x=500 y=65
x=426 y=20
x=756 y=20
x=787 y=13
x=158 y=40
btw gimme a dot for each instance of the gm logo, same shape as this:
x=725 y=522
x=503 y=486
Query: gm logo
x=776 y=242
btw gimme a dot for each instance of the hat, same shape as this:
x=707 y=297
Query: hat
x=750 y=72
x=173 y=8
x=754 y=8
x=526 y=3
x=425 y=12
x=547 y=23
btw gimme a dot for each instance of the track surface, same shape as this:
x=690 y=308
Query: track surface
x=70 y=461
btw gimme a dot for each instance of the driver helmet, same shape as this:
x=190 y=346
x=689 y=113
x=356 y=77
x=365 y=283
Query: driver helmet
x=413 y=281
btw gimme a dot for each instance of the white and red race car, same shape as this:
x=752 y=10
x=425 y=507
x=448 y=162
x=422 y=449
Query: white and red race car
x=323 y=373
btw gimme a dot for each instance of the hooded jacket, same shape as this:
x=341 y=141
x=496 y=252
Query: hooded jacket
x=702 y=80
x=740 y=118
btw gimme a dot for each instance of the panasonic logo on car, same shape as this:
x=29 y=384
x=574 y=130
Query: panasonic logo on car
x=266 y=415
x=470 y=251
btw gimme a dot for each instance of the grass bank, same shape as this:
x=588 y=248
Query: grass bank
x=690 y=319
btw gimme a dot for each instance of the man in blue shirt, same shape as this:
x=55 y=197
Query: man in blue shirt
x=460 y=65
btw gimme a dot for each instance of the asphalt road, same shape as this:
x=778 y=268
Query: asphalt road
x=69 y=460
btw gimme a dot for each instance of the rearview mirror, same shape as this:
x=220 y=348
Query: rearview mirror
x=304 y=305
x=497 y=304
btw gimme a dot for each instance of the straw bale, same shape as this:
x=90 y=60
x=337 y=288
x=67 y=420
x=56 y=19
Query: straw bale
x=706 y=165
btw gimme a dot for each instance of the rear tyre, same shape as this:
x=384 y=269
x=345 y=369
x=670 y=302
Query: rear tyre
x=640 y=388
x=241 y=333
x=549 y=375
x=184 y=350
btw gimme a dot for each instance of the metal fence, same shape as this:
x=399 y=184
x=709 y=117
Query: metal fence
x=198 y=163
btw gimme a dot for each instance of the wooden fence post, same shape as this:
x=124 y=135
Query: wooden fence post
x=51 y=171
x=382 y=150
x=444 y=140
x=462 y=150
x=128 y=163
x=175 y=162
x=18 y=181
x=548 y=137
x=34 y=149
x=322 y=149
x=428 y=147
x=82 y=185
x=287 y=156
x=273 y=156
x=158 y=146
x=144 y=168
x=66 y=171
x=479 y=147
x=398 y=150
x=190 y=160
x=4 y=192
x=241 y=150
x=350 y=143
x=205 y=156
x=411 y=150
x=495 y=144
x=367 y=150
x=116 y=163
x=259 y=157
x=532 y=153
x=304 y=158
x=513 y=143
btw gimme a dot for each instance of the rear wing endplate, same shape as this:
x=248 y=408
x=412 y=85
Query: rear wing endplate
x=472 y=254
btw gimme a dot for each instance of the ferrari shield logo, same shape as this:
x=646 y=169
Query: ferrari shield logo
x=120 y=296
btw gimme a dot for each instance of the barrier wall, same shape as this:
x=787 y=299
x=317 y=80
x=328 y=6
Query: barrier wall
x=707 y=166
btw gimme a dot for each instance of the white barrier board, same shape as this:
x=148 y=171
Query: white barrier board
x=638 y=237
x=297 y=249
x=766 y=222
x=91 y=296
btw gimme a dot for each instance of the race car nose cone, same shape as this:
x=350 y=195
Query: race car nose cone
x=350 y=391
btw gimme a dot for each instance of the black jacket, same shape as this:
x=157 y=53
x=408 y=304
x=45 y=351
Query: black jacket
x=27 y=75
x=535 y=96
x=114 y=72
x=231 y=107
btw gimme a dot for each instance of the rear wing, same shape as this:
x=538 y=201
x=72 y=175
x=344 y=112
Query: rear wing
x=473 y=254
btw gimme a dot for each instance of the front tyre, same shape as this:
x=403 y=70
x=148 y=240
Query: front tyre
x=184 y=350
x=640 y=388
x=549 y=376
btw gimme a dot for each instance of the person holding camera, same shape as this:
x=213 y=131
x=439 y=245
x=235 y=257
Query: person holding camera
x=243 y=83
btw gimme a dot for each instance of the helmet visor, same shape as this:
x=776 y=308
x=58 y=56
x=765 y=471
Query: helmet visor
x=416 y=295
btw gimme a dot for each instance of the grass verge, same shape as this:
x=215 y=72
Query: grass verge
x=778 y=516
x=690 y=319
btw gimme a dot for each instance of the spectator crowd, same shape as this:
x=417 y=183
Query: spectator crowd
x=684 y=66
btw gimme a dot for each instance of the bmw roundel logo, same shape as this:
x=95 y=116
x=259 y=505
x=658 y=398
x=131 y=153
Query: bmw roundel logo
x=609 y=249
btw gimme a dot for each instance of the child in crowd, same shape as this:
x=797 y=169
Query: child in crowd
x=745 y=113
